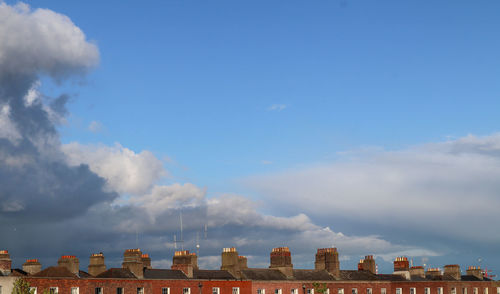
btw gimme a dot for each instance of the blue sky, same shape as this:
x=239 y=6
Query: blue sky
x=232 y=96
x=194 y=81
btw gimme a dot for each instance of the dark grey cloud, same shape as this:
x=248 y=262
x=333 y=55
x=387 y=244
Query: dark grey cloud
x=36 y=184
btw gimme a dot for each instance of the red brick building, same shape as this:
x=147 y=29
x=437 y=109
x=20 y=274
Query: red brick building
x=136 y=276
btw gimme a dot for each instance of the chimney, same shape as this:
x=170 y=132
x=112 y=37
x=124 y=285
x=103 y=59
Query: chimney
x=71 y=263
x=233 y=263
x=453 y=270
x=96 y=264
x=401 y=264
x=185 y=261
x=368 y=264
x=402 y=267
x=5 y=262
x=433 y=272
x=360 y=265
x=281 y=259
x=328 y=259
x=146 y=261
x=242 y=260
x=32 y=266
x=417 y=271
x=475 y=271
x=132 y=260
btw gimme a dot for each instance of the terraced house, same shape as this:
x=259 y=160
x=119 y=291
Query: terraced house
x=136 y=276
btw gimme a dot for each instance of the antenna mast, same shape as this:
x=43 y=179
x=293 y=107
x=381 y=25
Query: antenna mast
x=182 y=239
x=198 y=244
x=136 y=238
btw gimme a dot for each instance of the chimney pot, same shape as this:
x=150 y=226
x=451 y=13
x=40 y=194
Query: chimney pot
x=185 y=261
x=5 y=262
x=96 y=264
x=32 y=266
x=328 y=259
x=71 y=263
x=132 y=260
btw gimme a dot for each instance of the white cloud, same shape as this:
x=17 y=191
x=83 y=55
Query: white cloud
x=277 y=107
x=125 y=171
x=164 y=198
x=448 y=188
x=238 y=210
x=8 y=129
x=33 y=94
x=12 y=206
x=44 y=41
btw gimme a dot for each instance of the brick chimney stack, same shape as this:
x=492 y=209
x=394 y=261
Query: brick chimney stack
x=71 y=263
x=453 y=270
x=96 y=264
x=146 y=261
x=5 y=262
x=185 y=261
x=232 y=262
x=132 y=260
x=368 y=264
x=402 y=267
x=433 y=272
x=401 y=264
x=328 y=259
x=242 y=260
x=281 y=259
x=417 y=271
x=360 y=265
x=32 y=266
x=475 y=271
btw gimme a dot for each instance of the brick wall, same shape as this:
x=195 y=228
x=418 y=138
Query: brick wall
x=87 y=286
x=287 y=286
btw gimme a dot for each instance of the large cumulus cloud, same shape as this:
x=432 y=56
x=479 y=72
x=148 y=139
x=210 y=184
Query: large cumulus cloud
x=42 y=42
x=35 y=181
x=126 y=171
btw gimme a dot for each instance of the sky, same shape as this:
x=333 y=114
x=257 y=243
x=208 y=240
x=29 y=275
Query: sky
x=371 y=126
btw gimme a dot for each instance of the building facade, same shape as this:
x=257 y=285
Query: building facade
x=136 y=276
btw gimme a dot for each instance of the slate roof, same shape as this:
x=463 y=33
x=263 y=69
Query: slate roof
x=433 y=278
x=447 y=277
x=166 y=274
x=18 y=273
x=276 y=275
x=312 y=275
x=263 y=274
x=353 y=275
x=212 y=275
x=316 y=275
x=418 y=278
x=389 y=277
x=117 y=273
x=471 y=278
x=55 y=272
x=83 y=274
